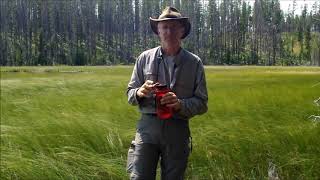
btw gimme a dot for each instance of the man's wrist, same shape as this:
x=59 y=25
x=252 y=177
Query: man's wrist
x=137 y=94
x=178 y=107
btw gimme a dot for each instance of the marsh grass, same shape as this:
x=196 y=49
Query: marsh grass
x=75 y=123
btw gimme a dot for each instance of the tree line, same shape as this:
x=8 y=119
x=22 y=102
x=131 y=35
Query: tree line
x=108 y=32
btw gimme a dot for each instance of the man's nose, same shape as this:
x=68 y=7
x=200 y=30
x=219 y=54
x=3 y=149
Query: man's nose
x=171 y=30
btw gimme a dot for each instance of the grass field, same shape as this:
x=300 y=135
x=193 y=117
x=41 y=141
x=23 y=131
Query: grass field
x=75 y=123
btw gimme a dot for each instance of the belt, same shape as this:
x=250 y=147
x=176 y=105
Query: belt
x=149 y=114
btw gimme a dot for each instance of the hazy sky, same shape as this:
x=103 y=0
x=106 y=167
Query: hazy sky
x=286 y=4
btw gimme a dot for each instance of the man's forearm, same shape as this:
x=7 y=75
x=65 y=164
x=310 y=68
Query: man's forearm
x=193 y=106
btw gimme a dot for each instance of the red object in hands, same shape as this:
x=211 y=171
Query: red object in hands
x=163 y=112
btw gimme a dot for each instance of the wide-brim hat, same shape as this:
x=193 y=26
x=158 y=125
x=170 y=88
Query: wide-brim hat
x=169 y=14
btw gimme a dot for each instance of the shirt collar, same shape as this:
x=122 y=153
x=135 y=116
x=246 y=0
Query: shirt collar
x=178 y=58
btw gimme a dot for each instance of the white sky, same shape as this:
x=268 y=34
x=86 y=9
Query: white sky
x=288 y=4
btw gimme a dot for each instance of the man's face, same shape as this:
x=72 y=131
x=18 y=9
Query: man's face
x=170 y=31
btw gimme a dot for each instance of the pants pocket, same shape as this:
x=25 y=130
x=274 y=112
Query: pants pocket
x=130 y=157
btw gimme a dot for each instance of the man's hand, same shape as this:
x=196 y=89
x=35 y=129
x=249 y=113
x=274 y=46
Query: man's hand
x=171 y=100
x=145 y=89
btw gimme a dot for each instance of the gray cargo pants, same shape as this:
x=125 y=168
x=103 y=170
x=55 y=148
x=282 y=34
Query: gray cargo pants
x=167 y=140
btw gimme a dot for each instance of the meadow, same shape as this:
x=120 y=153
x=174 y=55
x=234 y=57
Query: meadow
x=75 y=123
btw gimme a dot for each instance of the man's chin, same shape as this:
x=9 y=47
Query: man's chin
x=171 y=41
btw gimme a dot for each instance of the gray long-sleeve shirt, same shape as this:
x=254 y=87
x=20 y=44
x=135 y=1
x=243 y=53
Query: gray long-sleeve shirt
x=188 y=82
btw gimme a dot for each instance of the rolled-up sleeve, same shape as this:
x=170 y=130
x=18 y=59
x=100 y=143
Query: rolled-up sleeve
x=135 y=83
x=197 y=104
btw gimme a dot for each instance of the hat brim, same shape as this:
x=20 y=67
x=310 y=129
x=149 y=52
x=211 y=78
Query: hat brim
x=184 y=20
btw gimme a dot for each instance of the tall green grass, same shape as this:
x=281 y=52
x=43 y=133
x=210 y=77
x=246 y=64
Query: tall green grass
x=75 y=123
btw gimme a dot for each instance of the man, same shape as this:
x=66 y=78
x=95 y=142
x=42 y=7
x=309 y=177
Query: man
x=183 y=72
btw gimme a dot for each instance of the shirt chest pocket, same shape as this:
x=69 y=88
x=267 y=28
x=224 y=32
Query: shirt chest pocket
x=184 y=89
x=149 y=75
